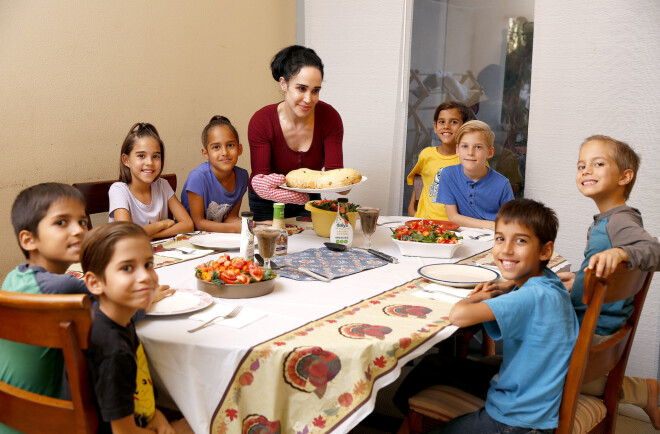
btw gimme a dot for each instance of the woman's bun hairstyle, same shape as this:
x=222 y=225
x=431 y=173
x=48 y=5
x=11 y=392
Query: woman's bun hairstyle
x=289 y=61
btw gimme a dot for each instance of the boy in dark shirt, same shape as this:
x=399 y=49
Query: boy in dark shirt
x=118 y=263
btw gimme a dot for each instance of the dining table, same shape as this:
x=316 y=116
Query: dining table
x=312 y=355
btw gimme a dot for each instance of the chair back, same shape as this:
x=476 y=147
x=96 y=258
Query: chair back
x=96 y=194
x=609 y=358
x=55 y=321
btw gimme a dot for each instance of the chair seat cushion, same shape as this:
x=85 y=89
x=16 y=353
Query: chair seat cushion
x=444 y=403
x=590 y=410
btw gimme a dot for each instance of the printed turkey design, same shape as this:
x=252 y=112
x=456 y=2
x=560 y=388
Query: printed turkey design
x=406 y=310
x=258 y=424
x=310 y=369
x=364 y=331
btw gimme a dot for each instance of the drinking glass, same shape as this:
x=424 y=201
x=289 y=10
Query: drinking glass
x=267 y=240
x=368 y=219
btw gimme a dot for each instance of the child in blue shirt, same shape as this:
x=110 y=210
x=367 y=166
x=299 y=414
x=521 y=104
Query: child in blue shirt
x=471 y=191
x=527 y=392
x=606 y=172
x=49 y=221
x=214 y=190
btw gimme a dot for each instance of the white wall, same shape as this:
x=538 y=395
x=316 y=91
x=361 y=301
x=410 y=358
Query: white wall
x=74 y=76
x=360 y=44
x=595 y=71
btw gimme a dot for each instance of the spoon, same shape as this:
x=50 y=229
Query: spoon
x=342 y=248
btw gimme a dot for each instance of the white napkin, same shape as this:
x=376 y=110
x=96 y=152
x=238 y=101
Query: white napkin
x=177 y=254
x=439 y=296
x=484 y=235
x=246 y=315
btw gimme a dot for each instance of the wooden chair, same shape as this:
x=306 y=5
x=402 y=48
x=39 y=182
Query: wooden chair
x=578 y=413
x=56 y=321
x=609 y=358
x=96 y=194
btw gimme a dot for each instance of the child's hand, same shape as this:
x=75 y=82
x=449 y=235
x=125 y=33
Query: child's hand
x=490 y=286
x=606 y=261
x=484 y=287
x=160 y=424
x=267 y=187
x=161 y=292
x=166 y=224
x=567 y=278
x=476 y=297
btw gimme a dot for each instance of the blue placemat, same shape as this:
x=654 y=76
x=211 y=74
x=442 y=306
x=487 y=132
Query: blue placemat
x=326 y=262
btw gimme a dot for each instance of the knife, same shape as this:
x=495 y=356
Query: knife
x=342 y=248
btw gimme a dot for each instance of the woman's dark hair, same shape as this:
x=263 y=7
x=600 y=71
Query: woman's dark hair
x=290 y=60
x=218 y=121
x=466 y=112
x=98 y=245
x=137 y=131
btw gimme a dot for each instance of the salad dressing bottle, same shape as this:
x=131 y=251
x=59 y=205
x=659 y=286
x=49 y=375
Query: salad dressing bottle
x=278 y=222
x=341 y=231
x=247 y=236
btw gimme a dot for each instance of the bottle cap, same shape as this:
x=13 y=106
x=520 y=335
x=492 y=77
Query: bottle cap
x=278 y=205
x=247 y=214
x=343 y=200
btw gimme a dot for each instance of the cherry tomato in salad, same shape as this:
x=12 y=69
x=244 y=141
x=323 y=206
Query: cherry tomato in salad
x=256 y=272
x=228 y=277
x=242 y=279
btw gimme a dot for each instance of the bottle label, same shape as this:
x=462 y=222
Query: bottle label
x=247 y=239
x=341 y=231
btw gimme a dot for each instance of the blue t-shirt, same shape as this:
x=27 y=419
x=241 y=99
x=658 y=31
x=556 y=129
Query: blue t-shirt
x=538 y=327
x=620 y=227
x=218 y=202
x=479 y=200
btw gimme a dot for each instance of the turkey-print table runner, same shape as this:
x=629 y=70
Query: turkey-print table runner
x=310 y=379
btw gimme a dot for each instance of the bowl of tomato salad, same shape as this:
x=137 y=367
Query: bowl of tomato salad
x=236 y=277
x=426 y=238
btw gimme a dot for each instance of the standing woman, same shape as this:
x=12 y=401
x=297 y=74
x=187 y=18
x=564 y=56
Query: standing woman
x=298 y=132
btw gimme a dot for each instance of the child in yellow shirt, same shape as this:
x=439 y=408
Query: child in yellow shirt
x=448 y=118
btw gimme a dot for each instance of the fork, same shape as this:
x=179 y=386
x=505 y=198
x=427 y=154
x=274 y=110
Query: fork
x=234 y=313
x=478 y=236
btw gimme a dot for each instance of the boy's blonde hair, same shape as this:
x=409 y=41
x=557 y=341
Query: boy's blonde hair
x=624 y=156
x=476 y=126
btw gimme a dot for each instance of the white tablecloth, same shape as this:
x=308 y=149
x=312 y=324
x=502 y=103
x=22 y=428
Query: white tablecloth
x=195 y=369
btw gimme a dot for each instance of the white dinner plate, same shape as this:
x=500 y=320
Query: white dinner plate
x=182 y=301
x=217 y=241
x=458 y=275
x=324 y=190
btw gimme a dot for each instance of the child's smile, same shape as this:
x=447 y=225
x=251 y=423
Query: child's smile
x=144 y=161
x=473 y=153
x=59 y=234
x=130 y=279
x=598 y=176
x=448 y=123
x=222 y=150
x=518 y=253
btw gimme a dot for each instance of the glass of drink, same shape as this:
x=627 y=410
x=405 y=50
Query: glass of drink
x=267 y=239
x=368 y=219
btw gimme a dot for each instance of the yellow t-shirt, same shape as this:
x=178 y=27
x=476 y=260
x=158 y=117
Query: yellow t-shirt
x=429 y=165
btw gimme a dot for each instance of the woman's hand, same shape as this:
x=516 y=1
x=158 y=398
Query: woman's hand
x=267 y=187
